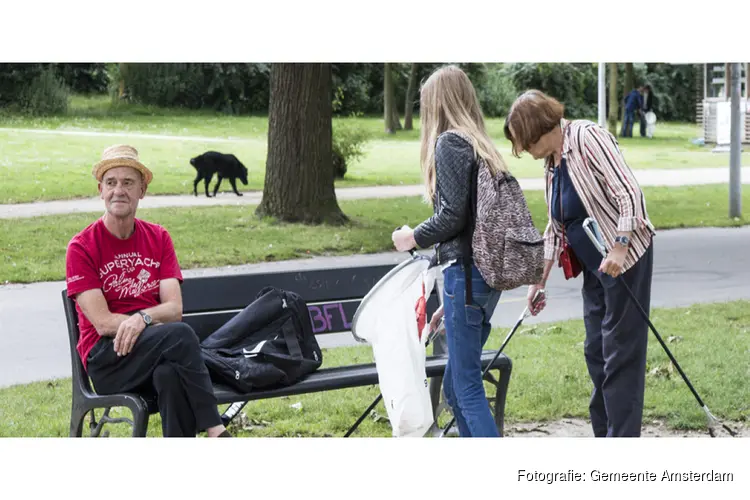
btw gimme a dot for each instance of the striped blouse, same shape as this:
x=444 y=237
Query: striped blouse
x=606 y=186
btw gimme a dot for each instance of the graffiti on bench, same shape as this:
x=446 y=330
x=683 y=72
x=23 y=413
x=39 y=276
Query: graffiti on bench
x=332 y=317
x=334 y=284
x=337 y=316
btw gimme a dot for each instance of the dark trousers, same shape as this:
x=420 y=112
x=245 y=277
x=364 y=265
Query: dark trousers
x=615 y=347
x=643 y=124
x=627 y=123
x=166 y=359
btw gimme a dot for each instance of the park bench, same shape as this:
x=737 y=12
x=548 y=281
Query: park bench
x=332 y=295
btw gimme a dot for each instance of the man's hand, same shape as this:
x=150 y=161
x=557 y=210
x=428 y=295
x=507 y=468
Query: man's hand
x=128 y=333
x=614 y=262
x=403 y=239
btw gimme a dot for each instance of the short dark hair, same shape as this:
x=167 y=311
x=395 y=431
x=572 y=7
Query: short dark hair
x=532 y=115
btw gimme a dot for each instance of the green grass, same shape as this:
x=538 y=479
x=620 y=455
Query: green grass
x=549 y=382
x=711 y=343
x=97 y=114
x=33 y=249
x=38 y=167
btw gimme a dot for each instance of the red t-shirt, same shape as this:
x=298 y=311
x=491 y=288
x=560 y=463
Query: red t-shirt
x=127 y=271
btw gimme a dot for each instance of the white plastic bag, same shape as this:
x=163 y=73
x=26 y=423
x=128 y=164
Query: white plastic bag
x=387 y=320
x=650 y=124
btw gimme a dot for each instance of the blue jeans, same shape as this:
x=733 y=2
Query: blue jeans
x=467 y=328
x=627 y=123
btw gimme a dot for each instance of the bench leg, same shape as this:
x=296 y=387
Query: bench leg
x=95 y=428
x=138 y=425
x=77 y=417
x=436 y=395
x=439 y=346
x=140 y=422
x=501 y=391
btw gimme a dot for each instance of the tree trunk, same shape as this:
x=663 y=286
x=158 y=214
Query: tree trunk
x=613 y=98
x=396 y=121
x=299 y=171
x=388 y=100
x=629 y=78
x=121 y=86
x=410 y=91
x=628 y=85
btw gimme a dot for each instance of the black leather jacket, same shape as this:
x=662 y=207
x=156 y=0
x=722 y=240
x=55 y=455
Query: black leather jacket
x=455 y=165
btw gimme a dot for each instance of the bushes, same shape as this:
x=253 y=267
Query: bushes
x=498 y=92
x=348 y=145
x=48 y=80
x=572 y=84
x=575 y=85
x=229 y=88
x=166 y=85
x=46 y=95
x=357 y=87
x=14 y=79
x=89 y=78
x=674 y=89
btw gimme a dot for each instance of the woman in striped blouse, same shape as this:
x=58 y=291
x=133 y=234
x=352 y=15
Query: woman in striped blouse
x=586 y=176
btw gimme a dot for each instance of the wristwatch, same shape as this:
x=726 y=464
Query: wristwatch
x=146 y=318
x=623 y=241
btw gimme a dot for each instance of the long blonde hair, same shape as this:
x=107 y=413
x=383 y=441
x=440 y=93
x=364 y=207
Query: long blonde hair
x=448 y=101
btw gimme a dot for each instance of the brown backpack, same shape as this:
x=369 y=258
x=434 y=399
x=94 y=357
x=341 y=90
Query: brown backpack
x=507 y=249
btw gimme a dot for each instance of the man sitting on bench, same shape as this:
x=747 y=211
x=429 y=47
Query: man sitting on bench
x=124 y=276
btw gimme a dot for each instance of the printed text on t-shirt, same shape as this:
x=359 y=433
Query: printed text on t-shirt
x=121 y=282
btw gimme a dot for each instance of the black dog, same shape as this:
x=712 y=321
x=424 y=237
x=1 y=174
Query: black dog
x=223 y=165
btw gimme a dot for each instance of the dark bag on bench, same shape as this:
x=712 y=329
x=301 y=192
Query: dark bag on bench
x=270 y=342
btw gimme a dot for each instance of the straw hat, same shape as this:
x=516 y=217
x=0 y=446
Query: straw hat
x=121 y=156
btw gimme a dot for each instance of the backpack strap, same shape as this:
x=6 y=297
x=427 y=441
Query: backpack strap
x=292 y=342
x=467 y=252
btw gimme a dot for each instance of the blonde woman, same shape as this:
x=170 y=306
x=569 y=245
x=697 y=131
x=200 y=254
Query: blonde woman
x=448 y=101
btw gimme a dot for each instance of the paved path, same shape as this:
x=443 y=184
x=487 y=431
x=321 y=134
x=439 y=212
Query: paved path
x=690 y=266
x=653 y=177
